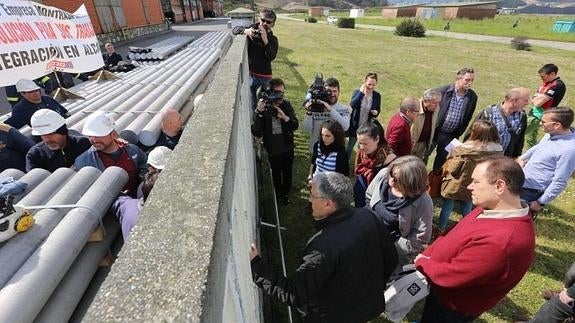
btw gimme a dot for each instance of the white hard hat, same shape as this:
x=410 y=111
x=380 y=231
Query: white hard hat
x=159 y=156
x=25 y=85
x=197 y=100
x=99 y=124
x=45 y=121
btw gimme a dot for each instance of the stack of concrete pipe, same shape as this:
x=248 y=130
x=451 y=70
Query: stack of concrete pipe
x=137 y=98
x=46 y=269
x=162 y=49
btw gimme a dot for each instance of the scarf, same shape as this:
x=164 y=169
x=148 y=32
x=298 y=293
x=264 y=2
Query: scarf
x=368 y=165
x=388 y=208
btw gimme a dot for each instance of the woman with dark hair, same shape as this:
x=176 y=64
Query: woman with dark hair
x=457 y=170
x=329 y=151
x=371 y=157
x=365 y=106
x=398 y=194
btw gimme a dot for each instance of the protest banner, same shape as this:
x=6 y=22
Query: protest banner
x=36 y=40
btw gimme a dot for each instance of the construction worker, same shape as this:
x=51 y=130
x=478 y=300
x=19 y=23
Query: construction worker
x=57 y=148
x=171 y=129
x=32 y=101
x=13 y=148
x=158 y=158
x=12 y=95
x=108 y=151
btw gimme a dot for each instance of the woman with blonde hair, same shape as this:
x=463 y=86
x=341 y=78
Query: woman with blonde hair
x=457 y=170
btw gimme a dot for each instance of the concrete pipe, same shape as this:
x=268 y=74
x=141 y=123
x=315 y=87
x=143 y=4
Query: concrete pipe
x=12 y=172
x=47 y=188
x=16 y=251
x=37 y=279
x=33 y=178
x=63 y=301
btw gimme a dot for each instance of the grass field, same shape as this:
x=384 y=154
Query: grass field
x=530 y=26
x=407 y=67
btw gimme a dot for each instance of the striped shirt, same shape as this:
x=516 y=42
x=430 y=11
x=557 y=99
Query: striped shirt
x=325 y=163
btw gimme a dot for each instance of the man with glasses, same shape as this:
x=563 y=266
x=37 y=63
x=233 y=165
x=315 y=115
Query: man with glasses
x=510 y=120
x=549 y=95
x=262 y=49
x=549 y=164
x=457 y=106
x=346 y=264
x=32 y=101
x=423 y=127
x=398 y=133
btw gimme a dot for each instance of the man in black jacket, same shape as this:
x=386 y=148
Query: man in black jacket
x=275 y=121
x=457 y=105
x=262 y=49
x=346 y=264
x=57 y=148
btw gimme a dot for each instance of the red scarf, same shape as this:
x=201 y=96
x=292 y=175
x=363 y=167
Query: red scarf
x=368 y=165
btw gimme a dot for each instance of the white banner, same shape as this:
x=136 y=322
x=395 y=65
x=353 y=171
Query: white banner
x=36 y=40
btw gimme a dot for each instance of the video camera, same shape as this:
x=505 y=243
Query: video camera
x=317 y=91
x=269 y=96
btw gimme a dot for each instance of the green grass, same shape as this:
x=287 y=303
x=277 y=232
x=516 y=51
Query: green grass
x=530 y=26
x=407 y=67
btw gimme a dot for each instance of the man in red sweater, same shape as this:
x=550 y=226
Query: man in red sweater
x=398 y=133
x=473 y=266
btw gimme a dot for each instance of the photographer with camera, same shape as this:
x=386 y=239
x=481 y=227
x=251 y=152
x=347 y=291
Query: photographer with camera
x=275 y=121
x=321 y=104
x=262 y=49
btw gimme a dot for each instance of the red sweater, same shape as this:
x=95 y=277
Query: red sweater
x=479 y=261
x=398 y=135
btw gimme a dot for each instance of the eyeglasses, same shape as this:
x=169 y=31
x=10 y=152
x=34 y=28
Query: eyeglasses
x=269 y=22
x=543 y=122
x=316 y=197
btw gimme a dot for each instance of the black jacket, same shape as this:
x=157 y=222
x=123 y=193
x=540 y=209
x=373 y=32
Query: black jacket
x=344 y=270
x=260 y=56
x=262 y=126
x=469 y=104
x=40 y=156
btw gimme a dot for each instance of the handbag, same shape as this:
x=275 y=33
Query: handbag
x=435 y=178
x=403 y=293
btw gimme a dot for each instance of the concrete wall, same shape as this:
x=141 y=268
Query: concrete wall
x=187 y=259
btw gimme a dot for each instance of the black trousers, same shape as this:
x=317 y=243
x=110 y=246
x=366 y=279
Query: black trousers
x=435 y=312
x=281 y=166
x=442 y=140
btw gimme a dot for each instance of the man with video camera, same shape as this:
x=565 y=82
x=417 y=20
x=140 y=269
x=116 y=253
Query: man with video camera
x=321 y=104
x=262 y=49
x=275 y=121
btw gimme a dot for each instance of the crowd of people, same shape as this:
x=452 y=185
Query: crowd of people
x=469 y=266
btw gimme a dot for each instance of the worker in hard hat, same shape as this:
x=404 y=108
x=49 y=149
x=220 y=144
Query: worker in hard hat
x=171 y=129
x=107 y=150
x=57 y=148
x=32 y=101
x=13 y=148
x=158 y=158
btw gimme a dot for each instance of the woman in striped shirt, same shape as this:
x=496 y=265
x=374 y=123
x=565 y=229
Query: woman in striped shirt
x=329 y=152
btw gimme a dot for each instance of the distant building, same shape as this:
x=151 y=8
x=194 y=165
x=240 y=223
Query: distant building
x=469 y=10
x=318 y=11
x=356 y=13
x=241 y=17
x=399 y=11
x=507 y=11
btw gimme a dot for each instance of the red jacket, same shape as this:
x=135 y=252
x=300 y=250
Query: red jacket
x=398 y=135
x=479 y=261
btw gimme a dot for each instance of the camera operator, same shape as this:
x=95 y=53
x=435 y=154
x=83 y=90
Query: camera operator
x=275 y=121
x=262 y=49
x=318 y=110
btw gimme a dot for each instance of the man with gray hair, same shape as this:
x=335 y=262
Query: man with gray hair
x=346 y=264
x=398 y=133
x=423 y=127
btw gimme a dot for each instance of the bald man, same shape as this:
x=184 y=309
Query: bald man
x=171 y=129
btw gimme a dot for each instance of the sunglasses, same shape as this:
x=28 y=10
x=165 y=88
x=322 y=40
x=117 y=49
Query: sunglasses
x=269 y=22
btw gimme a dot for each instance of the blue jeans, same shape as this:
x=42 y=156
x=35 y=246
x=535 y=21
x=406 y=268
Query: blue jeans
x=255 y=83
x=553 y=311
x=529 y=195
x=447 y=208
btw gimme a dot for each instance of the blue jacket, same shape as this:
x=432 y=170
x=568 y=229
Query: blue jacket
x=41 y=156
x=22 y=112
x=13 y=148
x=355 y=104
x=90 y=158
x=469 y=104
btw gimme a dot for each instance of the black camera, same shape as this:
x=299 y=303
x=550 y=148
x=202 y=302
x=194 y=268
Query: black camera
x=317 y=91
x=267 y=94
